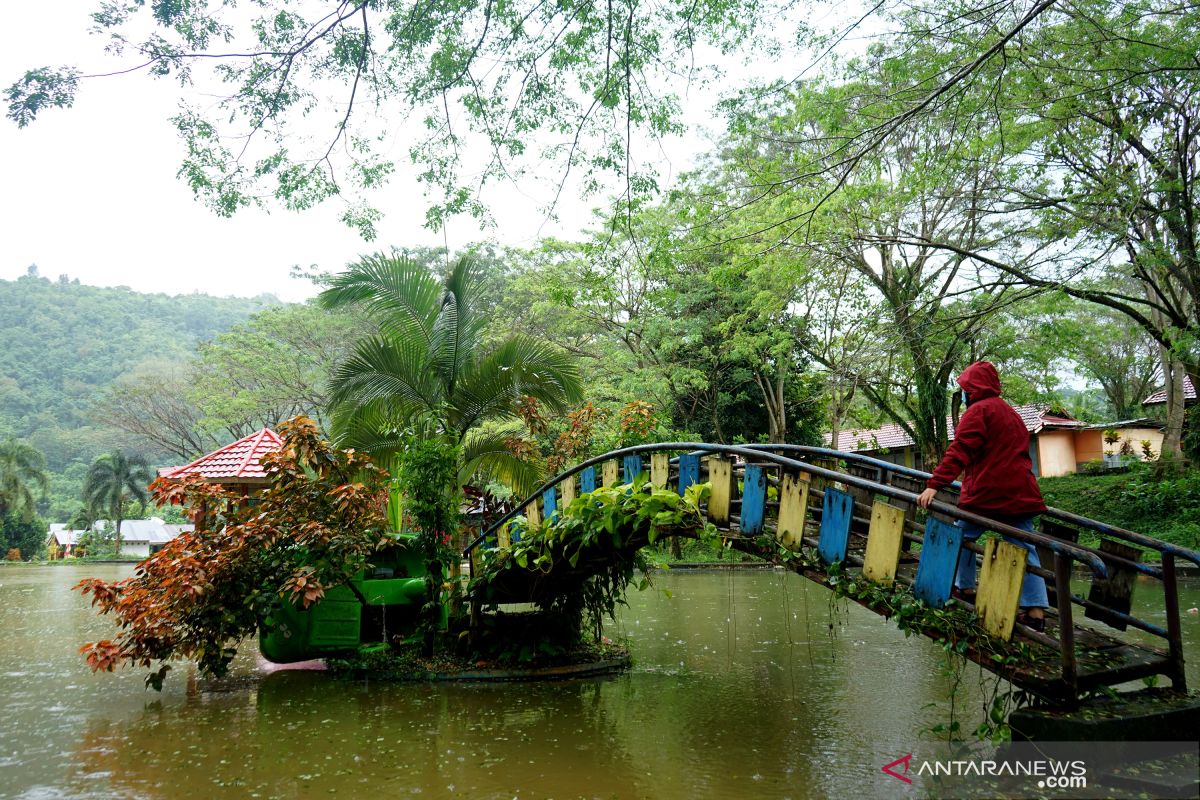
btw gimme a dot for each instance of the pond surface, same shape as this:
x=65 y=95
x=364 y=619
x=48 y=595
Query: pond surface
x=739 y=687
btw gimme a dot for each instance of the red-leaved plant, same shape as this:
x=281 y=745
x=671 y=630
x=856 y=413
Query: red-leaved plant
x=313 y=526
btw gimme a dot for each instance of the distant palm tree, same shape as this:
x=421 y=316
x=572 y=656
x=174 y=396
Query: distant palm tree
x=22 y=469
x=82 y=520
x=429 y=372
x=112 y=481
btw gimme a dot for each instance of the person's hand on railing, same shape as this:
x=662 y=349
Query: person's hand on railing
x=926 y=497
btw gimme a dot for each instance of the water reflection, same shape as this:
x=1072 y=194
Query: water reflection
x=739 y=686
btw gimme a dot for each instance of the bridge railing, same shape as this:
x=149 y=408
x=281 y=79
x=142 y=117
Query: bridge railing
x=873 y=500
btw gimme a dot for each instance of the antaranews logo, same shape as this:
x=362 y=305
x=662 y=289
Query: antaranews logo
x=1050 y=773
x=905 y=760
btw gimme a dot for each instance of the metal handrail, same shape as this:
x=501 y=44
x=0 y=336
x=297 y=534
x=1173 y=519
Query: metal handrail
x=1133 y=537
x=1068 y=549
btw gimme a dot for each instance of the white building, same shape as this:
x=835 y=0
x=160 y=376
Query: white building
x=139 y=537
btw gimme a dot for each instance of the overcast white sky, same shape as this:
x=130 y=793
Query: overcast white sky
x=91 y=191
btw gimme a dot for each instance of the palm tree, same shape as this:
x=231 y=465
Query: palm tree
x=22 y=469
x=112 y=481
x=429 y=372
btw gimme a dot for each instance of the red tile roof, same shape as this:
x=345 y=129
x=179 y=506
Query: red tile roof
x=1160 y=397
x=892 y=436
x=233 y=462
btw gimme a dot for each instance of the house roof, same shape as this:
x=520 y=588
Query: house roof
x=1143 y=422
x=1159 y=398
x=133 y=531
x=891 y=436
x=238 y=462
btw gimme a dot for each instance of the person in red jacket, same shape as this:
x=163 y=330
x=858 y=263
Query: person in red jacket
x=991 y=451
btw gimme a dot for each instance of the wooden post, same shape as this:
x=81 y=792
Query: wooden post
x=1000 y=587
x=611 y=474
x=1115 y=591
x=720 y=475
x=939 y=562
x=1066 y=623
x=568 y=490
x=837 y=513
x=632 y=467
x=793 y=510
x=660 y=470
x=1174 y=630
x=754 y=501
x=883 y=543
x=689 y=471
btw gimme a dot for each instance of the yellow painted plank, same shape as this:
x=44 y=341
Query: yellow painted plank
x=504 y=537
x=884 y=539
x=533 y=513
x=793 y=509
x=566 y=489
x=720 y=475
x=660 y=469
x=610 y=474
x=1000 y=587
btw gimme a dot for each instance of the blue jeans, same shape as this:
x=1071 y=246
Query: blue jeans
x=1033 y=587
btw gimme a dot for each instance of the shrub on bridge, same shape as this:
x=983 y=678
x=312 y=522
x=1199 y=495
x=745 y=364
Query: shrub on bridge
x=583 y=562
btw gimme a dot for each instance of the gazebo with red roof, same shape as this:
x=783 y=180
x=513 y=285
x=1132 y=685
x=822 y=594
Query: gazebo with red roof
x=235 y=464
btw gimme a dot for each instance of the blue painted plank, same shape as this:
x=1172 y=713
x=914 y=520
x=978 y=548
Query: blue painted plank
x=550 y=503
x=633 y=467
x=754 y=500
x=587 y=480
x=939 y=561
x=836 y=516
x=689 y=470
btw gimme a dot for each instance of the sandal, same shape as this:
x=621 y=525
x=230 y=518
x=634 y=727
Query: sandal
x=964 y=595
x=1033 y=623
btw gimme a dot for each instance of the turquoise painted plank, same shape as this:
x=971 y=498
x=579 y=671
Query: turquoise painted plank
x=550 y=503
x=689 y=470
x=587 y=480
x=633 y=467
x=836 y=516
x=939 y=560
x=754 y=500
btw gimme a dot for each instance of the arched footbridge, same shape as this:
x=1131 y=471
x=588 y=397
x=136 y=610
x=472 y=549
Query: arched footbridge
x=850 y=523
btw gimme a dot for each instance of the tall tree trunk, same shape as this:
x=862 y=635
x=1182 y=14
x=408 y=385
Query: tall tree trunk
x=773 y=399
x=835 y=423
x=1173 y=372
x=1171 y=454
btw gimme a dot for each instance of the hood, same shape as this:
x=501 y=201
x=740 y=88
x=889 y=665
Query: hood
x=980 y=380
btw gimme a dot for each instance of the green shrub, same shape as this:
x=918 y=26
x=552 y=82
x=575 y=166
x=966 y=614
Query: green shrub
x=1133 y=499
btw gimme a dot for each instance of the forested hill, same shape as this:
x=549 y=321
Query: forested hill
x=63 y=343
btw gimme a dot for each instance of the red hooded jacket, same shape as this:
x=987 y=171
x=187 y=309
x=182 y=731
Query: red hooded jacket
x=991 y=450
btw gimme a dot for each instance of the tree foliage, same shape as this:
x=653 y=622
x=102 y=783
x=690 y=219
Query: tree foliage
x=314 y=526
x=429 y=371
x=474 y=73
x=113 y=482
x=64 y=345
x=22 y=478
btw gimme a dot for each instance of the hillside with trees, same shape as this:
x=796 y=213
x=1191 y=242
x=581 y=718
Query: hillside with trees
x=63 y=345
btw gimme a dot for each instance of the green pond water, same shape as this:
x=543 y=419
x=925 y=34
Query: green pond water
x=739 y=688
